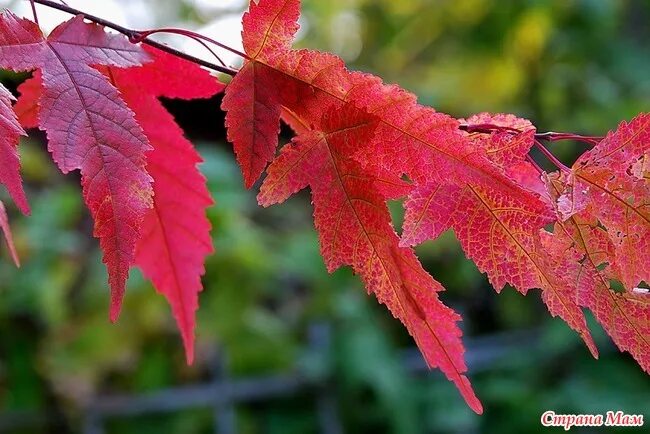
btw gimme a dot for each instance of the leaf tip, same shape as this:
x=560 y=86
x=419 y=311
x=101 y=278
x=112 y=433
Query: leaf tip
x=188 y=343
x=24 y=207
x=592 y=348
x=477 y=407
x=116 y=308
x=263 y=200
x=14 y=256
x=249 y=181
x=468 y=394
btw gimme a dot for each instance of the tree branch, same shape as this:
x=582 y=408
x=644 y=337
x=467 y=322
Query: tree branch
x=135 y=35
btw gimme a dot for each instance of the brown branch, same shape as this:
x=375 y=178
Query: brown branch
x=135 y=35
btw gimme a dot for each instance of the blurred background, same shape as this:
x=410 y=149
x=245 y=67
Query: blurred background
x=283 y=347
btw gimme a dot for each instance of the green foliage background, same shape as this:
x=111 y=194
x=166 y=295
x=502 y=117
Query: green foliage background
x=568 y=65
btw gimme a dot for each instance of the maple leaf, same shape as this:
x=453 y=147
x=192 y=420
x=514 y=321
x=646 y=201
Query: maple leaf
x=624 y=316
x=354 y=229
x=609 y=177
x=391 y=272
x=175 y=232
x=498 y=232
x=89 y=128
x=411 y=140
x=432 y=206
x=251 y=99
x=10 y=131
x=414 y=140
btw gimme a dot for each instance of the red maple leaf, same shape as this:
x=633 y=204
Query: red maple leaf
x=446 y=167
x=10 y=131
x=498 y=232
x=251 y=101
x=410 y=140
x=612 y=179
x=355 y=229
x=309 y=89
x=89 y=128
x=175 y=236
x=624 y=316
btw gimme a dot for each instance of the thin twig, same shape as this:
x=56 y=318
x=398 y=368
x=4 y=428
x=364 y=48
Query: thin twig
x=147 y=33
x=555 y=137
x=534 y=164
x=136 y=36
x=31 y=2
x=487 y=128
x=550 y=136
x=193 y=35
x=552 y=158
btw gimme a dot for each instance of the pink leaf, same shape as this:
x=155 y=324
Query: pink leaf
x=175 y=232
x=10 y=131
x=89 y=128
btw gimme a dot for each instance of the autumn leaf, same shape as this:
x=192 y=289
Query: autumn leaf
x=175 y=236
x=10 y=131
x=608 y=179
x=415 y=141
x=392 y=273
x=500 y=233
x=625 y=316
x=89 y=128
x=251 y=99
x=354 y=229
